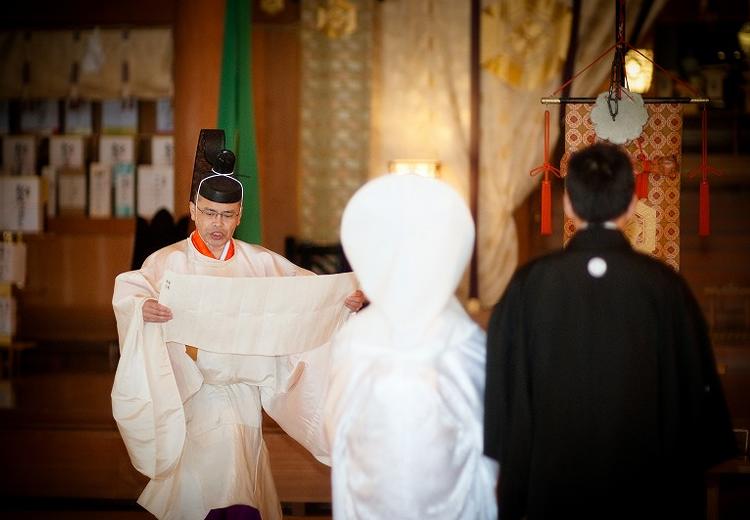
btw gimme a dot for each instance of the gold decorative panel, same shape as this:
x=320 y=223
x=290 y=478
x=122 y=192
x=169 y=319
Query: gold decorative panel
x=655 y=228
x=335 y=118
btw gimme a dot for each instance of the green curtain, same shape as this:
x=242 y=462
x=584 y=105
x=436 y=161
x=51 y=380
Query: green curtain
x=236 y=113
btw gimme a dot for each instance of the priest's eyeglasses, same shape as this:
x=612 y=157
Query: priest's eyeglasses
x=212 y=213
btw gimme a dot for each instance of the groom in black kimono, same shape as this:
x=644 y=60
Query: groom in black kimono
x=602 y=398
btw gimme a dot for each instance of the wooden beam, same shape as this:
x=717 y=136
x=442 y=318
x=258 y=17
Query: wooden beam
x=474 y=134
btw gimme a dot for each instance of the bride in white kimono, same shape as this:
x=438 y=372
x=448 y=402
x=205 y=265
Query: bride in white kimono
x=405 y=403
x=191 y=419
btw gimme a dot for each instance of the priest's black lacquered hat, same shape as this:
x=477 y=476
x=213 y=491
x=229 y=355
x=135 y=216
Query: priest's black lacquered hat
x=213 y=171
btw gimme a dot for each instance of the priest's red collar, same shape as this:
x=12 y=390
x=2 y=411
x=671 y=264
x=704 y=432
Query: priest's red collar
x=203 y=249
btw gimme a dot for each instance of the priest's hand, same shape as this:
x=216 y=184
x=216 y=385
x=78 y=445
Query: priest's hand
x=355 y=301
x=155 y=312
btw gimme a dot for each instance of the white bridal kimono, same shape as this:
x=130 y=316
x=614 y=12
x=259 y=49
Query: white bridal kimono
x=194 y=427
x=404 y=409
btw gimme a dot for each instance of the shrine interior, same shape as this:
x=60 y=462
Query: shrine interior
x=61 y=455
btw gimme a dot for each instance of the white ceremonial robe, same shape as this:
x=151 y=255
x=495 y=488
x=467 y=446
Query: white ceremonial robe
x=194 y=427
x=404 y=408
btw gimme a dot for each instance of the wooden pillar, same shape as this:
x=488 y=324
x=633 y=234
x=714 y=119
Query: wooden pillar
x=276 y=92
x=474 y=138
x=198 y=40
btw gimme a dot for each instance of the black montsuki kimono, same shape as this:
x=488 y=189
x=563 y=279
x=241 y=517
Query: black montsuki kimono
x=602 y=398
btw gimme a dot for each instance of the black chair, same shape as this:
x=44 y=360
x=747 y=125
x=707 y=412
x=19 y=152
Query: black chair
x=318 y=258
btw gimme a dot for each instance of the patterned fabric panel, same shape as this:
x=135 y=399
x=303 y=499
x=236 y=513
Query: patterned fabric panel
x=335 y=111
x=655 y=228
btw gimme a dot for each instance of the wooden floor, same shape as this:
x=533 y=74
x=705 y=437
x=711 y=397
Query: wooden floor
x=83 y=515
x=64 y=509
x=62 y=456
x=33 y=513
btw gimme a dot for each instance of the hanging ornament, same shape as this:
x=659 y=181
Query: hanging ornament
x=272 y=6
x=93 y=53
x=337 y=19
x=546 y=168
x=704 y=209
x=620 y=116
x=619 y=120
x=646 y=168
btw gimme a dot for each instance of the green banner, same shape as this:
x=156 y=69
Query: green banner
x=236 y=113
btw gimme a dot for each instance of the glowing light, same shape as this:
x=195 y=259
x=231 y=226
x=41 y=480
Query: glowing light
x=422 y=167
x=639 y=70
x=743 y=36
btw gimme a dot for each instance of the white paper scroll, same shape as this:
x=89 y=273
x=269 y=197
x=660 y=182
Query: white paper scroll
x=13 y=263
x=100 y=190
x=114 y=149
x=21 y=204
x=155 y=187
x=19 y=154
x=162 y=150
x=124 y=182
x=66 y=151
x=267 y=316
x=71 y=191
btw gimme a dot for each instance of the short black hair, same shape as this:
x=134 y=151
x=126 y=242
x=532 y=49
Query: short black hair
x=600 y=182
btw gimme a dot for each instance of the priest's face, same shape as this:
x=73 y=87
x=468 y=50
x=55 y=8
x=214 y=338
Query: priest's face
x=215 y=221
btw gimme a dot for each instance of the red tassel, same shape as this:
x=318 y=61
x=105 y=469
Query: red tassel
x=704 y=215
x=641 y=185
x=546 y=207
x=546 y=168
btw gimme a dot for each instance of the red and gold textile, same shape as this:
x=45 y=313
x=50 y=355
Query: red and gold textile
x=657 y=153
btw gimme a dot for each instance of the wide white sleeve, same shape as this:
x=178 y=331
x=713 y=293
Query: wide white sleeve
x=297 y=405
x=146 y=402
x=276 y=328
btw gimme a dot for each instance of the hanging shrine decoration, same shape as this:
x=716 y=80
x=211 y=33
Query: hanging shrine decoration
x=650 y=131
x=655 y=226
x=704 y=212
x=546 y=169
x=337 y=19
